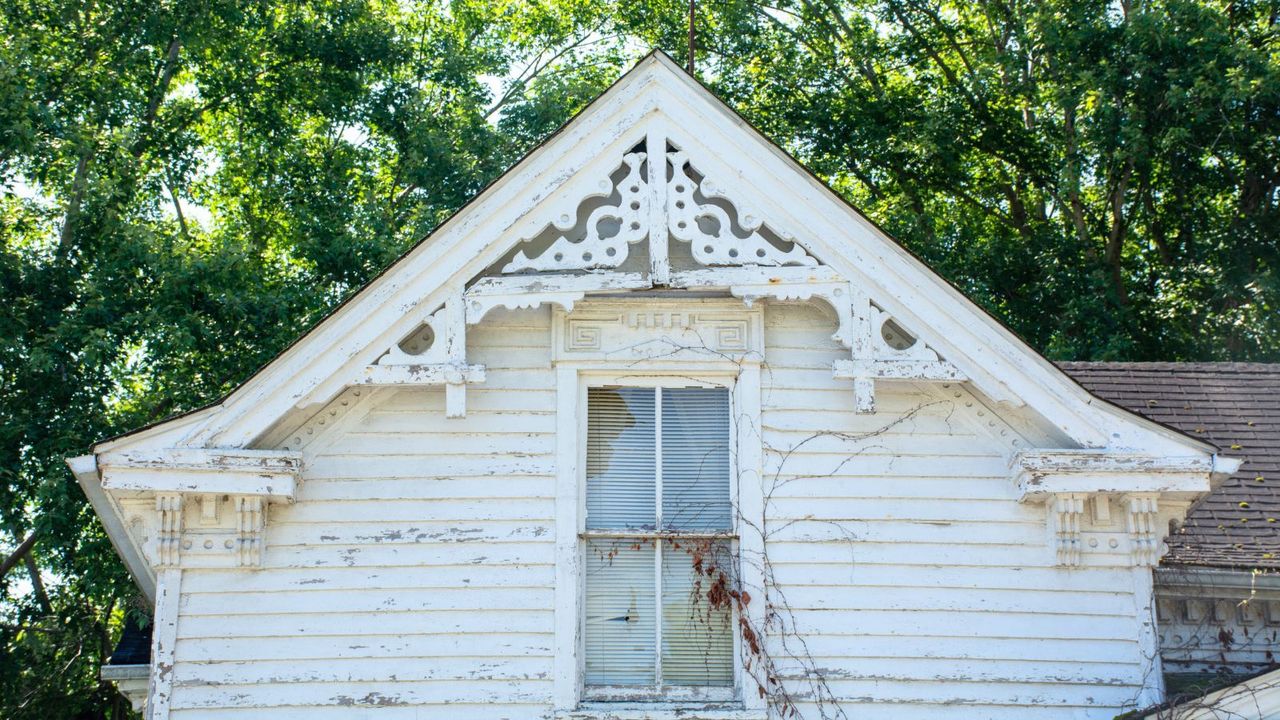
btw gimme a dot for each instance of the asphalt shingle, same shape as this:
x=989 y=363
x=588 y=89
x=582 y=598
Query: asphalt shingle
x=1235 y=406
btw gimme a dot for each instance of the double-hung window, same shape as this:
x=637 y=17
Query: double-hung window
x=659 y=544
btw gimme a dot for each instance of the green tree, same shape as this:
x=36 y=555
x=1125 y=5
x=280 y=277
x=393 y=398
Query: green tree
x=187 y=187
x=1102 y=176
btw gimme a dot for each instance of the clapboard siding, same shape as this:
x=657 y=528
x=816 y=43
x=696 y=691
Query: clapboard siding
x=415 y=570
x=916 y=580
x=414 y=576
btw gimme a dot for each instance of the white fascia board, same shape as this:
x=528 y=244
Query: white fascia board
x=419 y=279
x=1039 y=474
x=85 y=468
x=266 y=473
x=166 y=433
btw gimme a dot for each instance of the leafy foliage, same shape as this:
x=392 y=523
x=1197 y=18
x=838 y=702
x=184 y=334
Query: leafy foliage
x=190 y=185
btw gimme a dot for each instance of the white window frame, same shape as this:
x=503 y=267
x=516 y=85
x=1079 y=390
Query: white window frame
x=572 y=381
x=663 y=693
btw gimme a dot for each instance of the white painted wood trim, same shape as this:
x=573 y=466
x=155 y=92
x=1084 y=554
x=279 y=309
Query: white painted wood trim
x=269 y=473
x=276 y=487
x=625 y=713
x=164 y=638
x=85 y=468
x=751 y=521
x=659 y=244
x=1144 y=605
x=132 y=682
x=221 y=459
x=1039 y=474
x=934 y=370
x=440 y=374
x=569 y=522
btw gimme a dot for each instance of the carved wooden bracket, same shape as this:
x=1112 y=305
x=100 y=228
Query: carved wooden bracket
x=251 y=520
x=731 y=243
x=1067 y=511
x=883 y=350
x=1145 y=540
x=630 y=215
x=441 y=362
x=708 y=228
x=169 y=535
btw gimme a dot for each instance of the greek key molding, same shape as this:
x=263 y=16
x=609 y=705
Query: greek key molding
x=663 y=330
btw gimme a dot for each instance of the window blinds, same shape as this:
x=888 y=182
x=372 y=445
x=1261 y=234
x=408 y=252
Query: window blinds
x=657 y=457
x=621 y=449
x=695 y=459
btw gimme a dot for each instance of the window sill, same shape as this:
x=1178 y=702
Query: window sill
x=637 y=711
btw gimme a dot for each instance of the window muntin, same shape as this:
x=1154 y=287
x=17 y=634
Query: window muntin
x=659 y=520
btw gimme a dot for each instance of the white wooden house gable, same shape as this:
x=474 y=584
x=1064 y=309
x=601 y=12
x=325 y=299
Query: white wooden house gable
x=390 y=516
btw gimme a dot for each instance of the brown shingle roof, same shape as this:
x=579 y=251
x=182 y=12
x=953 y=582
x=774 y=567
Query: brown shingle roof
x=1235 y=406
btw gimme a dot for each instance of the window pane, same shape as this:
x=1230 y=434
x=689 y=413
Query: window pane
x=620 y=458
x=695 y=459
x=697 y=620
x=621 y=629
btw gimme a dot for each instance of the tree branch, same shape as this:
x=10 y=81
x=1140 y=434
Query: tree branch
x=20 y=552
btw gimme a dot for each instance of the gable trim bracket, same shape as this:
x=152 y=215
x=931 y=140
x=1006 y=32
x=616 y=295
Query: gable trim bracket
x=178 y=478
x=874 y=359
x=1068 y=482
x=443 y=362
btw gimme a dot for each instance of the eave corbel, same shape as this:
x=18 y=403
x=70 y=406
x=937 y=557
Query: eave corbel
x=1146 y=542
x=251 y=523
x=247 y=480
x=169 y=535
x=1066 y=514
x=1069 y=481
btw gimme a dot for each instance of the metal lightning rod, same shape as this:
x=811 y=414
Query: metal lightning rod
x=692 y=5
